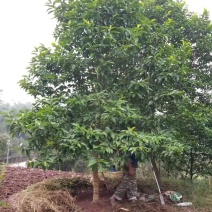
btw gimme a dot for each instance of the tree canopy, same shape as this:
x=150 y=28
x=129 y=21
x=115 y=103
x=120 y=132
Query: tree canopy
x=121 y=76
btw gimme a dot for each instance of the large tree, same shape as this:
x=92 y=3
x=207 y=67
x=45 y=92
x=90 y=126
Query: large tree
x=121 y=76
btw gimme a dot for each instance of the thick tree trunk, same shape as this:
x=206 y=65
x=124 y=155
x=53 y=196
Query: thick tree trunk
x=95 y=186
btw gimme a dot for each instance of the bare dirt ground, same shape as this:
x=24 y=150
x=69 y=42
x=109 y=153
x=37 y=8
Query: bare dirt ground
x=17 y=179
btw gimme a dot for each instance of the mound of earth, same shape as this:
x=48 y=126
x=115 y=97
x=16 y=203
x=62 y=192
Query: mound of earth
x=17 y=179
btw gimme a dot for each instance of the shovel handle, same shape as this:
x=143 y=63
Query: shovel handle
x=161 y=196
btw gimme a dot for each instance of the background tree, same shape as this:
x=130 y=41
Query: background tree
x=3 y=144
x=173 y=88
x=5 y=137
x=183 y=93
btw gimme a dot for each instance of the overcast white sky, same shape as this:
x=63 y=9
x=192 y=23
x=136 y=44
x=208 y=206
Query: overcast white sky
x=25 y=24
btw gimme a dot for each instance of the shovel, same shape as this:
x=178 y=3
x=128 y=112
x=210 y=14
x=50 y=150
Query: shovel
x=160 y=194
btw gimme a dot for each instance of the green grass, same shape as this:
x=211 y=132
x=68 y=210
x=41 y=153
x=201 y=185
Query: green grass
x=2 y=172
x=3 y=204
x=199 y=191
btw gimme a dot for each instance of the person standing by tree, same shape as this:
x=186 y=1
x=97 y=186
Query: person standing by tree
x=128 y=184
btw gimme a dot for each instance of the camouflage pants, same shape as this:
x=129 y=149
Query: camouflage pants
x=128 y=185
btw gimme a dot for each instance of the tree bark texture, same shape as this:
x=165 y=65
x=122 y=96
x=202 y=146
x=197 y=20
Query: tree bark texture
x=95 y=186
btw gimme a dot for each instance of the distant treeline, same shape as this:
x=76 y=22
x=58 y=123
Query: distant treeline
x=6 y=141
